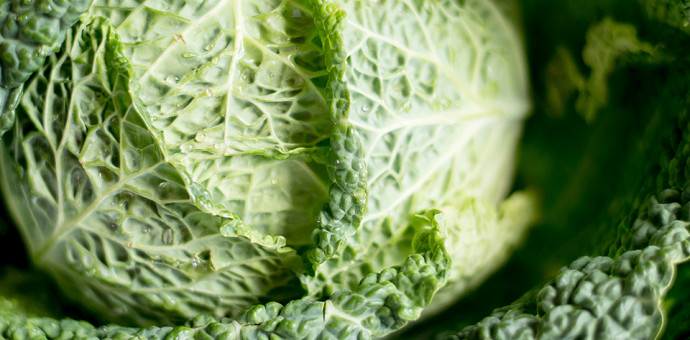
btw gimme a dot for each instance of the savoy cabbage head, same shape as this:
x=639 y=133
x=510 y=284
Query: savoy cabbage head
x=298 y=168
x=338 y=168
x=331 y=169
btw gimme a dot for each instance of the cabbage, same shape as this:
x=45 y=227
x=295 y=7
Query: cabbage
x=301 y=167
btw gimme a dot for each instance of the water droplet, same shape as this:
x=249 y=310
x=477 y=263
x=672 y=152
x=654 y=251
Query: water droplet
x=209 y=47
x=189 y=55
x=274 y=181
x=162 y=185
x=216 y=146
x=337 y=161
x=112 y=226
x=186 y=147
x=167 y=236
x=366 y=108
x=146 y=229
x=209 y=92
x=200 y=137
x=172 y=79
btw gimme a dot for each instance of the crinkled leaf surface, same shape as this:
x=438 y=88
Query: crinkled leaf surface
x=175 y=153
x=29 y=32
x=102 y=206
x=605 y=297
x=235 y=88
x=437 y=96
x=624 y=288
x=381 y=303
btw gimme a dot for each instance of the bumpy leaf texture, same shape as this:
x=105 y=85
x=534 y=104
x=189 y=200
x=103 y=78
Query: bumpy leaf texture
x=627 y=292
x=381 y=303
x=186 y=158
x=604 y=297
x=30 y=31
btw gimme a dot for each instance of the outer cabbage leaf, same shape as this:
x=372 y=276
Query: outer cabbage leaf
x=605 y=297
x=98 y=204
x=381 y=303
x=29 y=32
x=245 y=104
x=438 y=93
x=235 y=89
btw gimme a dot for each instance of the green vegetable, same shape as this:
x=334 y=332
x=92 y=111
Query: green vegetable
x=381 y=303
x=31 y=31
x=345 y=169
x=262 y=168
x=624 y=201
x=603 y=297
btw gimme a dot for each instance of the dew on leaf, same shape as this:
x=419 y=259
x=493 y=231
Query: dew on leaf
x=200 y=137
x=167 y=236
x=172 y=79
x=185 y=148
